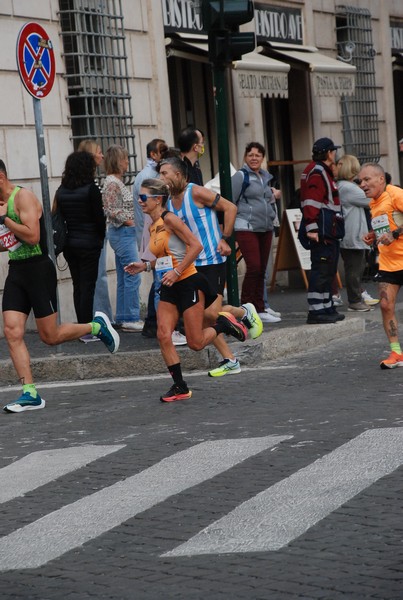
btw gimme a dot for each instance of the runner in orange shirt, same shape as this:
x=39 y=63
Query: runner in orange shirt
x=387 y=228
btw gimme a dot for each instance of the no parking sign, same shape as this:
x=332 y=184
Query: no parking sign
x=35 y=60
x=36 y=66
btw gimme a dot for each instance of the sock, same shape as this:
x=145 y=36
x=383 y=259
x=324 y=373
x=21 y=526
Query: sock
x=176 y=373
x=95 y=328
x=395 y=347
x=30 y=388
x=220 y=327
x=231 y=360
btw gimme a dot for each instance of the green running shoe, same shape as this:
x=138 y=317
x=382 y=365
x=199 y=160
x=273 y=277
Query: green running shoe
x=252 y=321
x=226 y=367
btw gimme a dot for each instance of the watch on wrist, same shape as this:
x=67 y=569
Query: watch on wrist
x=2 y=219
x=226 y=238
x=396 y=234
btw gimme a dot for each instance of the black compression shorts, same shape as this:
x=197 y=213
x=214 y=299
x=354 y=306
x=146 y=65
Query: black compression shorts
x=31 y=284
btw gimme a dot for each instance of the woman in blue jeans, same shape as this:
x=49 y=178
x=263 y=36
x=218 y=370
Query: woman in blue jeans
x=118 y=206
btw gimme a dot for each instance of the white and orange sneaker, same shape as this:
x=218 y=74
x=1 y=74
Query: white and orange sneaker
x=394 y=360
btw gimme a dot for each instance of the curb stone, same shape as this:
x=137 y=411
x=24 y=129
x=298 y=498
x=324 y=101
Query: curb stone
x=270 y=345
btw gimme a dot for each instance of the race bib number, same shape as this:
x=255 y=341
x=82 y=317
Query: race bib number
x=8 y=239
x=164 y=263
x=380 y=225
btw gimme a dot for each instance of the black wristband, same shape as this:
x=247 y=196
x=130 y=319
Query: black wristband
x=2 y=219
x=226 y=237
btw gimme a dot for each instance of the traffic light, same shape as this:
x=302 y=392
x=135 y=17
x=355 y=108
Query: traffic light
x=221 y=18
x=226 y=46
x=226 y=14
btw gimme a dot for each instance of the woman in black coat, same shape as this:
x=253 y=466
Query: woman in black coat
x=80 y=202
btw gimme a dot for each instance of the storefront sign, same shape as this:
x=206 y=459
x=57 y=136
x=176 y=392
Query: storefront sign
x=275 y=24
x=180 y=15
x=333 y=84
x=250 y=84
x=396 y=35
x=272 y=23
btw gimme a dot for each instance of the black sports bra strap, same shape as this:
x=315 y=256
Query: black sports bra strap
x=164 y=214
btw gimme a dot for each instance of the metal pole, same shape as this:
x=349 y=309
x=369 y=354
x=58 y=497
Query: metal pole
x=221 y=107
x=43 y=172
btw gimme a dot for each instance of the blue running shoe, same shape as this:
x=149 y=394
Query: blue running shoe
x=107 y=334
x=25 y=402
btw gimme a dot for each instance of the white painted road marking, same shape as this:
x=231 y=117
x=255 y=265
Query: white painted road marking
x=73 y=525
x=283 y=512
x=128 y=379
x=42 y=467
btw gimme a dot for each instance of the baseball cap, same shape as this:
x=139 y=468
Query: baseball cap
x=324 y=145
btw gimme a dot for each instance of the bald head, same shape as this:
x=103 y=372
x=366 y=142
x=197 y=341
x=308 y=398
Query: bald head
x=373 y=181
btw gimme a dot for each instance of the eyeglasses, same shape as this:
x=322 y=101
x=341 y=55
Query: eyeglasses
x=144 y=197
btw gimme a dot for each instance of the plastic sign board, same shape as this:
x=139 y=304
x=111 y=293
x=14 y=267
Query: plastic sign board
x=35 y=60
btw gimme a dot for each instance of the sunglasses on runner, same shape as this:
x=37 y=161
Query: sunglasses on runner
x=144 y=197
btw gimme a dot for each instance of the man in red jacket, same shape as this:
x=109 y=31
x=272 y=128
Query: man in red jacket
x=324 y=227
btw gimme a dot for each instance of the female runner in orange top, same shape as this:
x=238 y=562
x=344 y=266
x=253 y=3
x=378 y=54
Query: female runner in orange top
x=183 y=291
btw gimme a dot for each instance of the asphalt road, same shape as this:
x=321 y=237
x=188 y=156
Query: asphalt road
x=282 y=482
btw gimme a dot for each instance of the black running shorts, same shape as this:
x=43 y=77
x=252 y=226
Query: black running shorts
x=215 y=275
x=394 y=277
x=31 y=283
x=185 y=294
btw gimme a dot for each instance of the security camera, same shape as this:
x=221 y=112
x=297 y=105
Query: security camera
x=347 y=50
x=349 y=47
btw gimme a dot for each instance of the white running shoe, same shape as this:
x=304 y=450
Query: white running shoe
x=337 y=301
x=272 y=312
x=133 y=326
x=368 y=299
x=178 y=339
x=268 y=318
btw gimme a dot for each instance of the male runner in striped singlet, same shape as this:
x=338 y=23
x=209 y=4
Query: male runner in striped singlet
x=197 y=207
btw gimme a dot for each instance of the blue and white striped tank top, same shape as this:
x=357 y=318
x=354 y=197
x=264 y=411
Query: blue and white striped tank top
x=203 y=223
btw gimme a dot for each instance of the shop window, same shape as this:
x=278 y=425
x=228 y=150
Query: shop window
x=96 y=73
x=359 y=112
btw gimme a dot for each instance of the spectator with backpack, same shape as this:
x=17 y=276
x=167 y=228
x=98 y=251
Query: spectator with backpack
x=254 y=224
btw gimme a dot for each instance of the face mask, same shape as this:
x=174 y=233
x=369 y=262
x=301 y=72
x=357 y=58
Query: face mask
x=201 y=152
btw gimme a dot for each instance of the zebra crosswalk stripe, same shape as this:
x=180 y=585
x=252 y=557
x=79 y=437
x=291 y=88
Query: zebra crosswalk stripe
x=44 y=466
x=71 y=526
x=283 y=512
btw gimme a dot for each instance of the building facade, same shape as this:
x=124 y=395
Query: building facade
x=131 y=70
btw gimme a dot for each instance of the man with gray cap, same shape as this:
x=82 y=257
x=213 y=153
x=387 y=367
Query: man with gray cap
x=321 y=230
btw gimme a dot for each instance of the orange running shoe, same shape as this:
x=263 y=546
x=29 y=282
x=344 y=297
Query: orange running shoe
x=232 y=326
x=179 y=391
x=394 y=360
